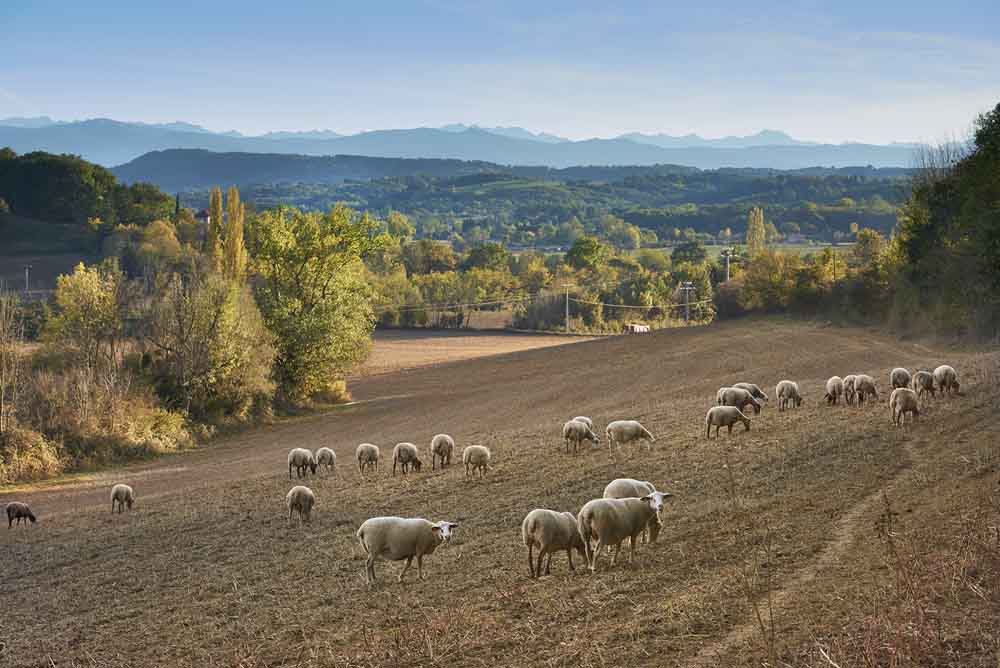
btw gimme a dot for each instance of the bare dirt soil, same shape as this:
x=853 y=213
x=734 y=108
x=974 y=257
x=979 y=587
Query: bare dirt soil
x=866 y=544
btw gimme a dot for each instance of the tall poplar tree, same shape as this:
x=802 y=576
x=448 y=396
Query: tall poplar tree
x=234 y=252
x=213 y=237
x=756 y=231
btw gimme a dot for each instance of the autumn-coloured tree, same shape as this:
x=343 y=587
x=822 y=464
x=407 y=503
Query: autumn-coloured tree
x=234 y=252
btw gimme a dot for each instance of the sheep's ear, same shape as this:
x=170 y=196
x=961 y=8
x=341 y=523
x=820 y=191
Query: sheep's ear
x=668 y=493
x=645 y=498
x=452 y=525
x=435 y=529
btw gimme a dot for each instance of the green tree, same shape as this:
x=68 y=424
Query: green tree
x=487 y=256
x=587 y=253
x=213 y=235
x=312 y=292
x=756 y=231
x=398 y=226
x=234 y=252
x=425 y=256
x=653 y=260
x=690 y=251
x=868 y=247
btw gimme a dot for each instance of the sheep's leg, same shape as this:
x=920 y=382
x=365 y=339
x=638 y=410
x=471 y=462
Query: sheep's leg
x=409 y=560
x=420 y=566
x=595 y=554
x=531 y=559
x=466 y=469
x=614 y=557
x=538 y=562
x=569 y=554
x=370 y=569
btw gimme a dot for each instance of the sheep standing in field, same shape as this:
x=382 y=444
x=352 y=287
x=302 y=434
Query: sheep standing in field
x=300 y=499
x=834 y=389
x=923 y=381
x=367 y=456
x=899 y=377
x=947 y=380
x=576 y=432
x=397 y=538
x=737 y=396
x=442 y=446
x=903 y=400
x=326 y=458
x=122 y=496
x=303 y=461
x=787 y=392
x=864 y=387
x=407 y=456
x=585 y=420
x=17 y=511
x=611 y=521
x=550 y=531
x=621 y=432
x=476 y=458
x=754 y=391
x=724 y=416
x=849 y=391
x=628 y=488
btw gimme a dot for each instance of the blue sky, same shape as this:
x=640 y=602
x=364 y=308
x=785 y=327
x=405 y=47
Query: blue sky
x=833 y=71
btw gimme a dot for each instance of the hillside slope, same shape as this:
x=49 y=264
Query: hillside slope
x=208 y=571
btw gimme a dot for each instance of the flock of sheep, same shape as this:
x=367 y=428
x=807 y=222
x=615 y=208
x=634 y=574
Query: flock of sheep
x=628 y=510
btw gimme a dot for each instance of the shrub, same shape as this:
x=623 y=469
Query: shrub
x=27 y=455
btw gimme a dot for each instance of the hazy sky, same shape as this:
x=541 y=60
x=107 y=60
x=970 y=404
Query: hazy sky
x=875 y=71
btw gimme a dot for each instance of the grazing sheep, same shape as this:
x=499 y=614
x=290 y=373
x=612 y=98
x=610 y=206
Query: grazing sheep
x=947 y=380
x=899 y=377
x=611 y=521
x=327 y=458
x=755 y=391
x=787 y=392
x=585 y=420
x=442 y=446
x=849 y=392
x=923 y=381
x=903 y=400
x=834 y=389
x=724 y=416
x=621 y=432
x=628 y=488
x=407 y=456
x=368 y=456
x=398 y=538
x=576 y=432
x=20 y=511
x=301 y=460
x=864 y=387
x=300 y=499
x=737 y=396
x=476 y=458
x=122 y=496
x=550 y=531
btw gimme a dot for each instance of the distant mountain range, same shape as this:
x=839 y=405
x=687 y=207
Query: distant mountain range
x=177 y=170
x=110 y=142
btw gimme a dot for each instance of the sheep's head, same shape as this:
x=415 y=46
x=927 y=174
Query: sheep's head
x=656 y=502
x=313 y=465
x=416 y=463
x=443 y=531
x=129 y=501
x=746 y=422
x=756 y=408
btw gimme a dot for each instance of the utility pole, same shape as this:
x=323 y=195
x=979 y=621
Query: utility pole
x=567 y=286
x=27 y=268
x=687 y=287
x=728 y=253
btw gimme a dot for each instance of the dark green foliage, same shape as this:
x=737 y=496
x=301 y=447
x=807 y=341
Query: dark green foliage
x=487 y=256
x=689 y=251
x=66 y=189
x=587 y=253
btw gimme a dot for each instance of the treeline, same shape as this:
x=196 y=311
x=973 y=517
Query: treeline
x=523 y=211
x=67 y=189
x=184 y=328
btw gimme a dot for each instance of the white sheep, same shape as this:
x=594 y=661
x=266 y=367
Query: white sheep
x=300 y=499
x=947 y=380
x=864 y=387
x=407 y=456
x=834 y=389
x=903 y=400
x=899 y=377
x=621 y=432
x=787 y=392
x=550 y=531
x=753 y=389
x=368 y=457
x=442 y=446
x=576 y=432
x=122 y=496
x=398 y=538
x=849 y=391
x=629 y=488
x=724 y=416
x=923 y=381
x=301 y=460
x=611 y=521
x=737 y=396
x=476 y=458
x=19 y=511
x=585 y=420
x=327 y=458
